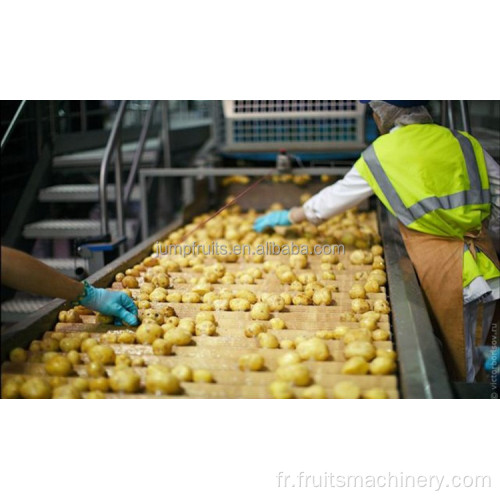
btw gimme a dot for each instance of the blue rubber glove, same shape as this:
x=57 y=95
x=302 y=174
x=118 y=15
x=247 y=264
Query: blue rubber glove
x=492 y=359
x=109 y=303
x=278 y=218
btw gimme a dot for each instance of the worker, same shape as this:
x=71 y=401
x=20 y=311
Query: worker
x=27 y=274
x=444 y=190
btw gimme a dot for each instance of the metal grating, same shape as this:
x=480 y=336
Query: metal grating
x=279 y=106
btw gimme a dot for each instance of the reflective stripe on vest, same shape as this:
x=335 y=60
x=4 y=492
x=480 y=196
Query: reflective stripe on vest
x=475 y=195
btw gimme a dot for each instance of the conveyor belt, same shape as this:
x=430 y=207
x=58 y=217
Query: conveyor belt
x=220 y=354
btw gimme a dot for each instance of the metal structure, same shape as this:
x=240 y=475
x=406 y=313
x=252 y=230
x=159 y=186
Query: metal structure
x=269 y=125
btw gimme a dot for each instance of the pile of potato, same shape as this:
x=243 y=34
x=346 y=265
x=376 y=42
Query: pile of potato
x=91 y=365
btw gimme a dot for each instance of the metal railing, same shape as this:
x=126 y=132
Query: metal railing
x=448 y=115
x=12 y=125
x=113 y=153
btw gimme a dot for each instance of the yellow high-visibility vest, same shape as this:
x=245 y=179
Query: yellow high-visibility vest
x=434 y=180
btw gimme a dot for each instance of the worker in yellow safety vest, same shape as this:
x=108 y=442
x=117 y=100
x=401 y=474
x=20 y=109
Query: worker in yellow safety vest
x=444 y=189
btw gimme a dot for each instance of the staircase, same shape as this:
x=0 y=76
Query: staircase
x=70 y=209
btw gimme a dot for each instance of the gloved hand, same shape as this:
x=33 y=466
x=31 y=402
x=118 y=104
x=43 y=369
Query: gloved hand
x=492 y=359
x=115 y=304
x=278 y=218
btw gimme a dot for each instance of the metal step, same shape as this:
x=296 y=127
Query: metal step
x=80 y=193
x=72 y=228
x=16 y=309
x=93 y=158
x=67 y=266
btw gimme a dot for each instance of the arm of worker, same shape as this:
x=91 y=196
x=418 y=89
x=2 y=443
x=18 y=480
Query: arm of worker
x=333 y=200
x=494 y=222
x=25 y=273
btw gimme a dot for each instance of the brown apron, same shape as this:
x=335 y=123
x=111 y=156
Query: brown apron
x=438 y=262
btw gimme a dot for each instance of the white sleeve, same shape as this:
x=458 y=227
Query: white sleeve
x=337 y=198
x=494 y=176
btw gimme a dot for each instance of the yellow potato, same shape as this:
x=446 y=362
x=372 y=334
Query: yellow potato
x=160 y=380
x=183 y=373
x=280 y=389
x=35 y=388
x=66 y=392
x=360 y=348
x=147 y=333
x=356 y=366
x=314 y=349
x=99 y=384
x=252 y=362
x=374 y=393
x=346 y=390
x=277 y=324
x=314 y=392
x=296 y=374
x=102 y=354
x=125 y=380
x=290 y=358
x=382 y=366
x=268 y=340
x=287 y=344
x=18 y=355
x=161 y=347
x=178 y=336
x=202 y=376
x=260 y=311
x=253 y=329
x=59 y=366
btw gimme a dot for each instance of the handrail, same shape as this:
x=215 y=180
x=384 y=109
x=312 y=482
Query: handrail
x=138 y=152
x=108 y=153
x=12 y=125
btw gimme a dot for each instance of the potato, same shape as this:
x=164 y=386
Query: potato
x=18 y=355
x=191 y=298
x=59 y=366
x=378 y=263
x=374 y=393
x=160 y=380
x=221 y=304
x=325 y=334
x=360 y=348
x=102 y=354
x=360 y=306
x=301 y=299
x=340 y=331
x=386 y=353
x=252 y=362
x=346 y=390
x=380 y=335
x=87 y=344
x=147 y=333
x=161 y=280
x=314 y=348
x=357 y=334
x=178 y=336
x=126 y=337
x=202 y=376
x=99 y=384
x=381 y=306
x=173 y=320
x=314 y=392
x=280 y=389
x=361 y=276
x=276 y=303
x=82 y=384
x=287 y=344
x=35 y=388
x=183 y=373
x=379 y=276
x=356 y=366
x=96 y=369
x=297 y=286
x=109 y=338
x=46 y=356
x=306 y=278
x=290 y=358
x=206 y=328
x=357 y=291
x=277 y=324
x=287 y=297
x=119 y=277
x=357 y=257
x=104 y=319
x=11 y=389
x=296 y=374
x=174 y=297
x=158 y=295
x=268 y=340
x=368 y=323
x=322 y=297
x=130 y=282
x=253 y=329
x=298 y=261
x=125 y=380
x=239 y=305
x=247 y=295
x=382 y=366
x=372 y=286
x=66 y=392
x=95 y=395
x=188 y=324
x=70 y=344
x=260 y=311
